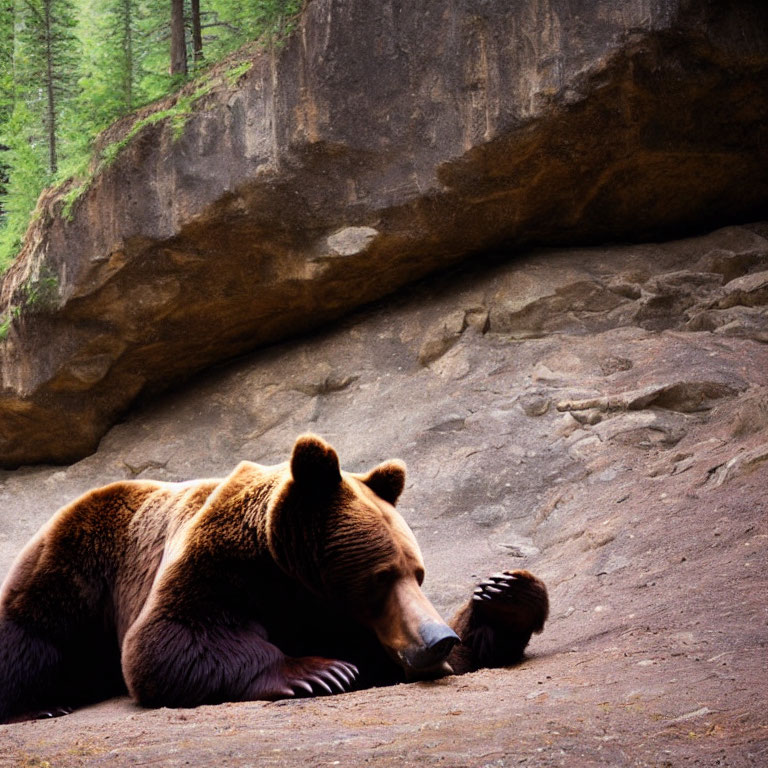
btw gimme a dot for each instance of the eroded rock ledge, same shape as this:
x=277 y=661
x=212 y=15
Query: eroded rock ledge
x=382 y=142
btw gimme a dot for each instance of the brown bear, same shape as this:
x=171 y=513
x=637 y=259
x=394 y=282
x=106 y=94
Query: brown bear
x=291 y=580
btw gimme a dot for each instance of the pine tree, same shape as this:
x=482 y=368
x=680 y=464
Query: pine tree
x=246 y=20
x=45 y=56
x=150 y=54
x=107 y=31
x=6 y=89
x=37 y=91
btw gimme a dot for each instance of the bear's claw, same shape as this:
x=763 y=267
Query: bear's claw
x=512 y=602
x=313 y=676
x=55 y=712
x=500 y=586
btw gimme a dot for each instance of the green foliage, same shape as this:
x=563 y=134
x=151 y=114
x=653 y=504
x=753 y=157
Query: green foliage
x=107 y=31
x=6 y=83
x=27 y=175
x=233 y=75
x=35 y=102
x=40 y=292
x=35 y=295
x=71 y=197
x=69 y=68
x=177 y=114
x=243 y=20
x=111 y=151
x=45 y=63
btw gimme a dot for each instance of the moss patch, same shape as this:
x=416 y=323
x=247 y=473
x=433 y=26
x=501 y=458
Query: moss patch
x=233 y=75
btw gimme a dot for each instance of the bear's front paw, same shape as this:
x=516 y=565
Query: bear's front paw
x=512 y=600
x=505 y=610
x=314 y=675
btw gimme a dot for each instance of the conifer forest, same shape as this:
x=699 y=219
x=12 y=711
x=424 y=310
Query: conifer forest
x=69 y=68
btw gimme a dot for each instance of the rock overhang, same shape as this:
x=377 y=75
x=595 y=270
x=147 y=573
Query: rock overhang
x=379 y=145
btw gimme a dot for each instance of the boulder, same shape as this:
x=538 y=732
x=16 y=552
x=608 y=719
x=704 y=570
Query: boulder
x=383 y=141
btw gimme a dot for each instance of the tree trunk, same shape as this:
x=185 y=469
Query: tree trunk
x=178 y=41
x=197 y=33
x=53 y=162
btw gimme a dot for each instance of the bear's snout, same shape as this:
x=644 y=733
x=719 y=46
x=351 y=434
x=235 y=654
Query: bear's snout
x=438 y=640
x=413 y=632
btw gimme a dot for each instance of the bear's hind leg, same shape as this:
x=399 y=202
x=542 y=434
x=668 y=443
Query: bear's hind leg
x=30 y=674
x=498 y=621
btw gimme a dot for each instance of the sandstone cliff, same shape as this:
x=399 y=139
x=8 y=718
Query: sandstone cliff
x=384 y=141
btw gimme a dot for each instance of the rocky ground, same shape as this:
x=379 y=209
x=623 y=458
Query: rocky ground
x=599 y=416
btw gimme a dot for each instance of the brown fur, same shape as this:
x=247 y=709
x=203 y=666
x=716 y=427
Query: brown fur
x=272 y=582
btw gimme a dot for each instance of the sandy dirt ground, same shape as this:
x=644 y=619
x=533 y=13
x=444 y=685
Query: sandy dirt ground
x=667 y=668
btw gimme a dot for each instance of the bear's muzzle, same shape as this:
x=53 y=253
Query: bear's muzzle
x=413 y=632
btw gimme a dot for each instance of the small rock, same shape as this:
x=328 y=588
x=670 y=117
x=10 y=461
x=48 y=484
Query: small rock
x=684 y=465
x=749 y=323
x=488 y=515
x=752 y=413
x=534 y=405
x=586 y=447
x=441 y=337
x=567 y=425
x=351 y=240
x=739 y=465
x=590 y=417
x=691 y=715
x=626 y=286
x=326 y=385
x=748 y=291
x=477 y=318
x=684 y=282
x=520 y=548
x=544 y=374
x=613 y=364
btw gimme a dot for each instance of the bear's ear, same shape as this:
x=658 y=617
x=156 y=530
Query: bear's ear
x=314 y=463
x=387 y=480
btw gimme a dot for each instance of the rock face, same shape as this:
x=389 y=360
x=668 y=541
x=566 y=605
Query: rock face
x=565 y=412
x=383 y=141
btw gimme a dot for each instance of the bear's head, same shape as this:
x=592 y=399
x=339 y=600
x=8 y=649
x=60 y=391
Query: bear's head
x=340 y=535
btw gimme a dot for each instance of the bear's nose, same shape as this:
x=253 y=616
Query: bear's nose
x=437 y=642
x=438 y=638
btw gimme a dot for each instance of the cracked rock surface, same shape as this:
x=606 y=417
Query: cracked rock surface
x=584 y=428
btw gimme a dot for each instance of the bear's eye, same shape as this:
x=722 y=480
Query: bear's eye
x=385 y=578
